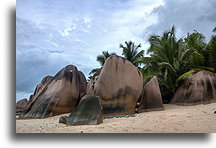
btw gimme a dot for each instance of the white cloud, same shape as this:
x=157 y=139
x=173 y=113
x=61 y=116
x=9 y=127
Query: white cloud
x=73 y=32
x=66 y=31
x=53 y=33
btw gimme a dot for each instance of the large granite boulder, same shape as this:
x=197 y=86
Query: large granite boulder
x=119 y=85
x=43 y=82
x=56 y=95
x=88 y=112
x=151 y=99
x=91 y=83
x=198 y=89
x=20 y=105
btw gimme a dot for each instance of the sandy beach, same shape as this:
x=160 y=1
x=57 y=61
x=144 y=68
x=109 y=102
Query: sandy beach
x=174 y=119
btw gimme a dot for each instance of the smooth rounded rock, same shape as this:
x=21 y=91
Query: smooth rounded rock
x=57 y=95
x=20 y=105
x=119 y=85
x=197 y=89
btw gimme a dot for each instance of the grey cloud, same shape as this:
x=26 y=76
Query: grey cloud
x=37 y=57
x=35 y=64
x=186 y=15
x=52 y=34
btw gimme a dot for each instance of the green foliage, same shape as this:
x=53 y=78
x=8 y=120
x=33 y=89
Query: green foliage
x=101 y=59
x=173 y=60
x=186 y=75
x=197 y=59
x=195 y=41
x=203 y=54
x=211 y=49
x=93 y=71
x=131 y=52
x=170 y=59
x=214 y=30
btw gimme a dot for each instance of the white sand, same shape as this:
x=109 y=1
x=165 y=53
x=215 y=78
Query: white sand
x=175 y=119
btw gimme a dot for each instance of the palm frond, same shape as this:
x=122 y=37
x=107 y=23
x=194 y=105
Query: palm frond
x=197 y=58
x=131 y=53
x=186 y=75
x=101 y=59
x=93 y=71
x=214 y=30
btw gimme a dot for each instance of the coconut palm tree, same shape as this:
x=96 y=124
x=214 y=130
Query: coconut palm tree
x=212 y=57
x=202 y=55
x=131 y=52
x=212 y=53
x=211 y=48
x=101 y=59
x=195 y=42
x=168 y=59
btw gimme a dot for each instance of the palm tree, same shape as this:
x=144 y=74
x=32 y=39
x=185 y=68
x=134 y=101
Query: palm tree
x=214 y=30
x=195 y=42
x=211 y=48
x=168 y=59
x=101 y=59
x=131 y=53
x=202 y=56
x=173 y=60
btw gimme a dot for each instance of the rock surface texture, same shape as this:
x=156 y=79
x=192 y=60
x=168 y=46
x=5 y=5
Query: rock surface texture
x=151 y=99
x=91 y=83
x=198 y=89
x=20 y=105
x=119 y=85
x=88 y=112
x=56 y=95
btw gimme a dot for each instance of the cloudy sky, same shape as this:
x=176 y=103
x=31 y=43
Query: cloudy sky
x=51 y=34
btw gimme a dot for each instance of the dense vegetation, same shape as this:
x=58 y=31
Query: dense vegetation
x=169 y=58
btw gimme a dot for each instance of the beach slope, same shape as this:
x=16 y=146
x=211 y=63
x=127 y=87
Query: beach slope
x=174 y=119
